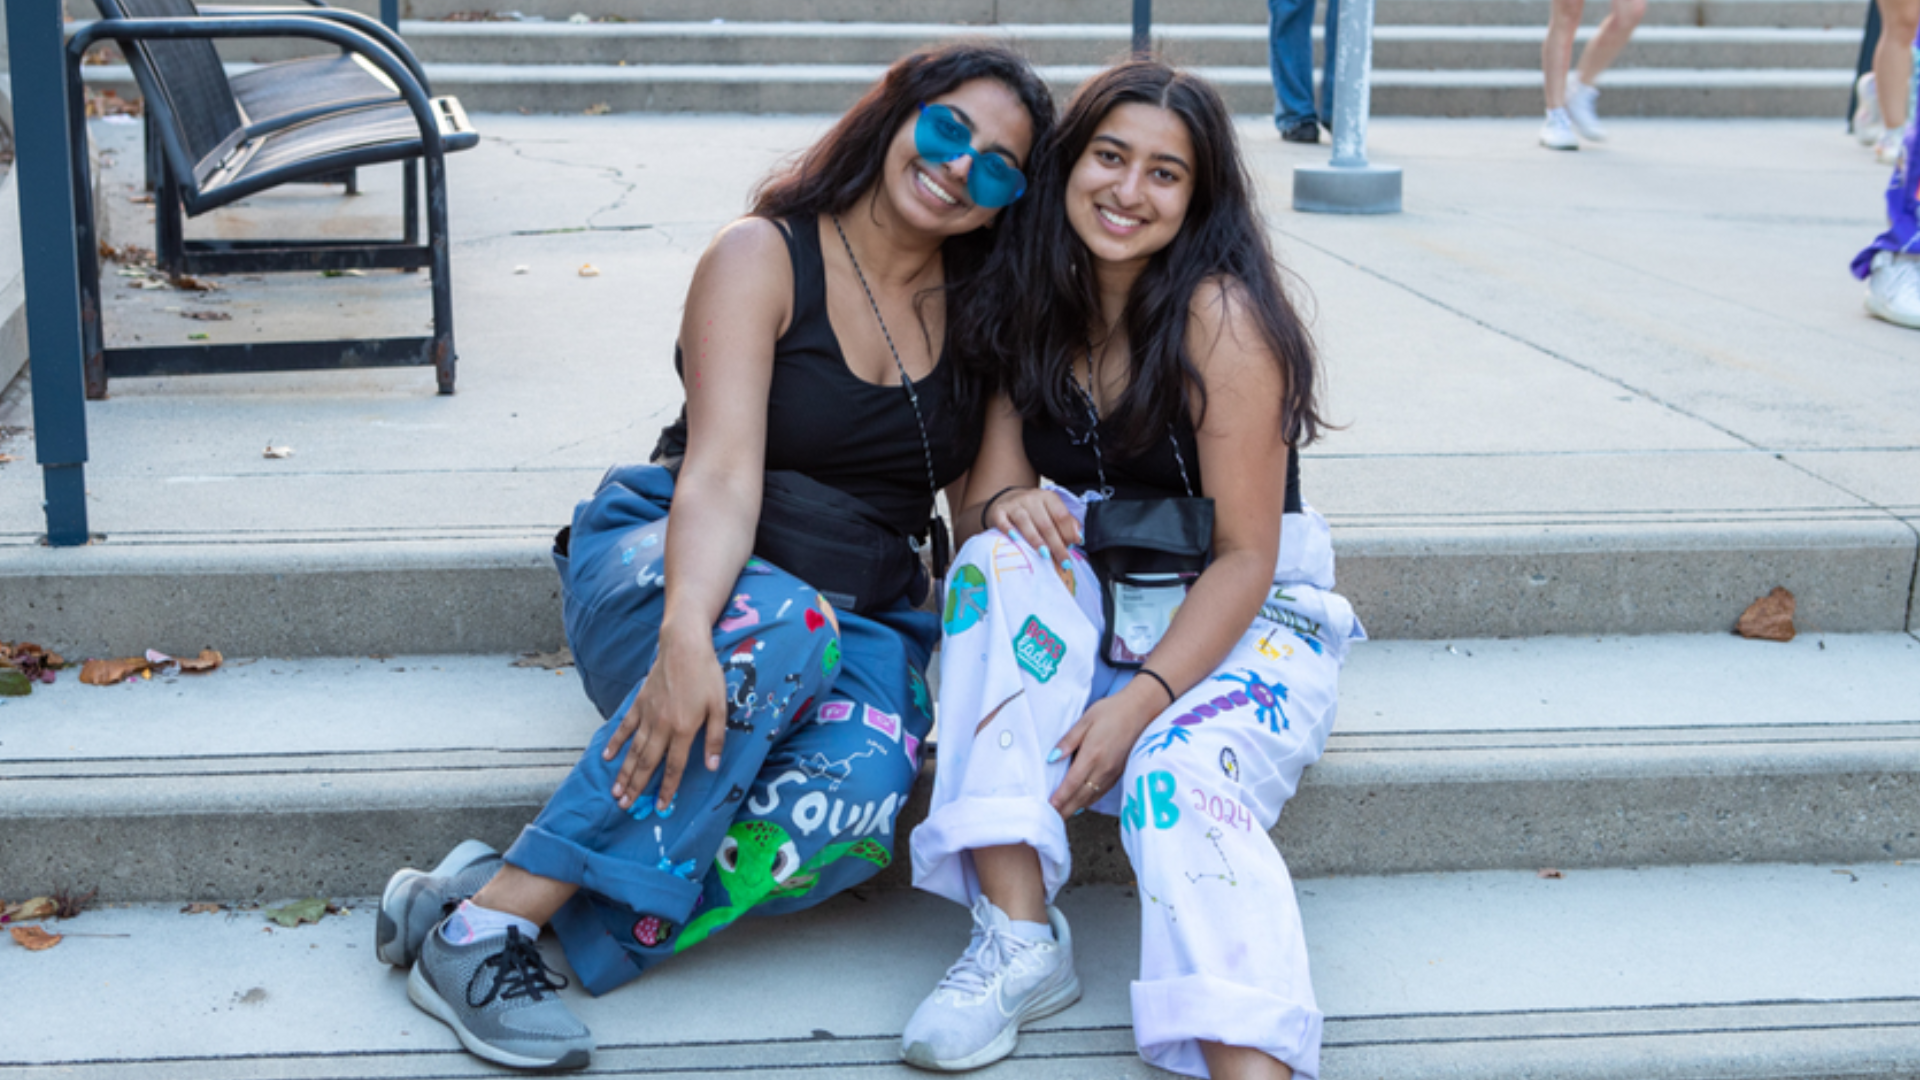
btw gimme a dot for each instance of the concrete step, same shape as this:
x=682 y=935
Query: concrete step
x=1396 y=48
x=831 y=88
x=275 y=777
x=1762 y=972
x=1174 y=12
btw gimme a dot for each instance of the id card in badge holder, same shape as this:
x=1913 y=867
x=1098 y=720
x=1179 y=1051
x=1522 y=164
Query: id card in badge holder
x=1143 y=608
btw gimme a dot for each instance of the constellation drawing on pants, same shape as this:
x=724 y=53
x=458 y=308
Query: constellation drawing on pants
x=1213 y=835
x=1172 y=915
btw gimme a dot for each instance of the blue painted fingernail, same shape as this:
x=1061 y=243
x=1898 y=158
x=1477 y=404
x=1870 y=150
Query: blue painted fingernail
x=640 y=811
x=1045 y=555
x=1080 y=811
x=1053 y=755
x=667 y=810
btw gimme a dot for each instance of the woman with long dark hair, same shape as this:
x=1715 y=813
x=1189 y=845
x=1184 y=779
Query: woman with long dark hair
x=1160 y=374
x=759 y=661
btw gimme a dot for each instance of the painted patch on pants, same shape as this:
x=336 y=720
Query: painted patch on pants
x=1038 y=650
x=884 y=722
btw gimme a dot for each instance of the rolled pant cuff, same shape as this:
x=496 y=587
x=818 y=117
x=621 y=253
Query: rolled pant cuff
x=598 y=959
x=1172 y=1016
x=645 y=889
x=968 y=824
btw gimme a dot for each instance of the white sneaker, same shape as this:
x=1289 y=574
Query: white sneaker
x=1891 y=147
x=1893 y=289
x=1580 y=102
x=1868 y=125
x=973 y=1017
x=1557 y=132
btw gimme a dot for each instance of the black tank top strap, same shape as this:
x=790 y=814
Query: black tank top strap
x=810 y=329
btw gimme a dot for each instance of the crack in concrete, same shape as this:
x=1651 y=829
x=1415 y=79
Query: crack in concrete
x=613 y=173
x=1913 y=578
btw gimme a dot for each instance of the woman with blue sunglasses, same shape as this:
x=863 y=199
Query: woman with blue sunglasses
x=1157 y=365
x=763 y=727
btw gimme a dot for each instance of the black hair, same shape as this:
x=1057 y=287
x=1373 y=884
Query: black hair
x=832 y=175
x=1222 y=239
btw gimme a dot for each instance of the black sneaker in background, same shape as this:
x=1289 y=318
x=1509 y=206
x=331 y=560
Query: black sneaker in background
x=1305 y=131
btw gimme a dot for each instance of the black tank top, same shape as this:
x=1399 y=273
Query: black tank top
x=832 y=425
x=1065 y=456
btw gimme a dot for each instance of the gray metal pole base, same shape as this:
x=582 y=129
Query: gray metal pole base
x=1346 y=189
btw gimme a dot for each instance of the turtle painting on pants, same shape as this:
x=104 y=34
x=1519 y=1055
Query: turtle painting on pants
x=758 y=861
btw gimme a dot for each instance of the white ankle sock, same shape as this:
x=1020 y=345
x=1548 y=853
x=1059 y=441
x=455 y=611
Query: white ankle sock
x=471 y=922
x=1031 y=931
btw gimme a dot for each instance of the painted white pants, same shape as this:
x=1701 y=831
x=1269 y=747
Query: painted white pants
x=1222 y=955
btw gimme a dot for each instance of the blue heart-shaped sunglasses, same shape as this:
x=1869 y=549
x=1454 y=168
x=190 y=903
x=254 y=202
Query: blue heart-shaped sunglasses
x=940 y=137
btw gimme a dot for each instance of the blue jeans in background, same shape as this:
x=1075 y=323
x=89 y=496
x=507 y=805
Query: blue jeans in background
x=1290 y=56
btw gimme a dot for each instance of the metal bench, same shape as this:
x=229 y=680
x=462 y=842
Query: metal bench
x=215 y=152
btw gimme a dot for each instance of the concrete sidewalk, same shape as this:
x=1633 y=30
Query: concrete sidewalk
x=1620 y=391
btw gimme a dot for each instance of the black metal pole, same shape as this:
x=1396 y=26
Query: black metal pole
x=1142 y=27
x=43 y=159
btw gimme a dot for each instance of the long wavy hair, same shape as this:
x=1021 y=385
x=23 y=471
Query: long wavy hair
x=831 y=176
x=1056 y=299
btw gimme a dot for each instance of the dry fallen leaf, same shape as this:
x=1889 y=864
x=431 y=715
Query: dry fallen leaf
x=40 y=907
x=191 y=283
x=206 y=661
x=66 y=905
x=207 y=316
x=1549 y=872
x=1769 y=618
x=273 y=451
x=109 y=672
x=599 y=108
x=552 y=661
x=310 y=910
x=203 y=907
x=589 y=270
x=34 y=939
x=5 y=458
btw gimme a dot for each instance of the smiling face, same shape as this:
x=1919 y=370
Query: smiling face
x=932 y=194
x=1129 y=191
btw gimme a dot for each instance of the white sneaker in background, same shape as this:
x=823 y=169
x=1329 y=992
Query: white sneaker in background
x=1557 y=132
x=1581 y=99
x=973 y=1017
x=1867 y=123
x=1893 y=289
x=1891 y=147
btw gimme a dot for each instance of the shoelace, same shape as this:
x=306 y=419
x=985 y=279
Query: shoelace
x=995 y=950
x=519 y=971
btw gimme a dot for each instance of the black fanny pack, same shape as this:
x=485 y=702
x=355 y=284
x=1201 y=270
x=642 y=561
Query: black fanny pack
x=1147 y=553
x=837 y=543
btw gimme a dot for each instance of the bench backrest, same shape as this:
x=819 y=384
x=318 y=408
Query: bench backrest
x=188 y=72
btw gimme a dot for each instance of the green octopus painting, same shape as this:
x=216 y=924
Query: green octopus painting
x=758 y=862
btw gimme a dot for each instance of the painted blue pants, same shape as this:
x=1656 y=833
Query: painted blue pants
x=823 y=737
x=1903 y=190
x=1290 y=59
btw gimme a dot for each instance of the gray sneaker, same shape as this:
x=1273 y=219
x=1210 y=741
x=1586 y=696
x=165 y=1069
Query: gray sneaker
x=501 y=999
x=973 y=1017
x=416 y=900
